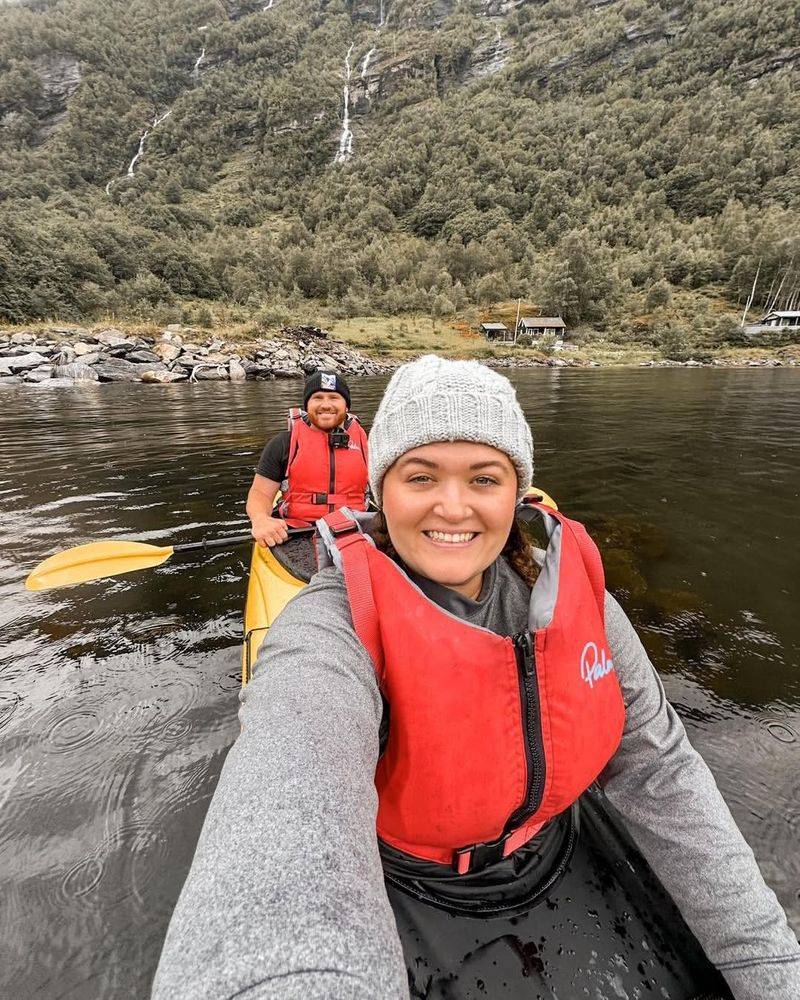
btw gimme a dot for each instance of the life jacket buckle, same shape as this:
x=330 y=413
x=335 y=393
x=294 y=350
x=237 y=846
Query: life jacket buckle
x=339 y=524
x=319 y=497
x=479 y=856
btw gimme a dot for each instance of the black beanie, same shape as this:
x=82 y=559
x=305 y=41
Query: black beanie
x=325 y=382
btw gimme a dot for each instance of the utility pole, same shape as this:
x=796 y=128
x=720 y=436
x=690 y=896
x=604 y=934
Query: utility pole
x=516 y=322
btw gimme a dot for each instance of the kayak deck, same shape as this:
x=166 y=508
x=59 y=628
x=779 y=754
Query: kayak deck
x=276 y=575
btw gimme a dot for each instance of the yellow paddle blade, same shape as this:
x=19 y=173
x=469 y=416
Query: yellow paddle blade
x=94 y=561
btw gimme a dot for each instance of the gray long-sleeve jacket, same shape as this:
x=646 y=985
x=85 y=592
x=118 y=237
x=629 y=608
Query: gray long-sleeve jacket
x=285 y=897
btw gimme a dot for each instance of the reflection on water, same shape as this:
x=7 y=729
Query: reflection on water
x=118 y=698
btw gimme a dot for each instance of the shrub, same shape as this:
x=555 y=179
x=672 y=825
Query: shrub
x=658 y=295
x=673 y=342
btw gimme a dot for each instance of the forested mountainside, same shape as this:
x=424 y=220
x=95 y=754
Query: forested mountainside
x=396 y=155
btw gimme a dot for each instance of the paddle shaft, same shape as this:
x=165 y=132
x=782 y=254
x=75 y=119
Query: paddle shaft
x=231 y=542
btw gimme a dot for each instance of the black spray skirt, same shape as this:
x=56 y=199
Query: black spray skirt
x=578 y=915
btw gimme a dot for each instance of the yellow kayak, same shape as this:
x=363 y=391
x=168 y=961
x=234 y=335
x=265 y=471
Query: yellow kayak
x=270 y=588
x=276 y=575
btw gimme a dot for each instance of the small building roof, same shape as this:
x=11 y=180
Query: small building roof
x=493 y=326
x=784 y=313
x=555 y=321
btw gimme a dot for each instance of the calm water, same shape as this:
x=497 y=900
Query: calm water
x=118 y=698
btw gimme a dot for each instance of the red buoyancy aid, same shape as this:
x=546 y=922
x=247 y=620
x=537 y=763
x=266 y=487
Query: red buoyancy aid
x=489 y=737
x=321 y=478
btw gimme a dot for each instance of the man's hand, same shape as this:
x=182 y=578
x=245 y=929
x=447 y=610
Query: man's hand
x=269 y=531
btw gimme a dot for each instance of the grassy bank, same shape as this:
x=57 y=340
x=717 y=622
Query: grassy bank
x=402 y=339
x=693 y=327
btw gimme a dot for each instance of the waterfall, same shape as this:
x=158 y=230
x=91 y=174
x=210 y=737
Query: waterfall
x=132 y=165
x=142 y=139
x=200 y=58
x=269 y=5
x=366 y=61
x=139 y=152
x=345 y=150
x=382 y=18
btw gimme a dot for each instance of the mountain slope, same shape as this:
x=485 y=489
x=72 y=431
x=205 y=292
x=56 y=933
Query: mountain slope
x=587 y=155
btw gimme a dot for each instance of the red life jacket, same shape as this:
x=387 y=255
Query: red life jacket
x=321 y=478
x=489 y=737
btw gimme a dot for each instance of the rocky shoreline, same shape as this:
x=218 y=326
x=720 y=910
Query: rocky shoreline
x=67 y=356
x=59 y=356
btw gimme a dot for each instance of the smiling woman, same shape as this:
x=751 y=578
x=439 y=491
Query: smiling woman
x=430 y=744
x=451 y=507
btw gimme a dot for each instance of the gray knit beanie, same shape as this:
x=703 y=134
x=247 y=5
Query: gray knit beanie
x=433 y=399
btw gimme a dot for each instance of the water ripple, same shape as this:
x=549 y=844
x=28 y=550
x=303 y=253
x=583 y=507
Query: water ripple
x=77 y=731
x=82 y=878
x=780 y=731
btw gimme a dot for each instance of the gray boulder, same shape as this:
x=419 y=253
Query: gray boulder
x=40 y=374
x=22 y=338
x=217 y=373
x=25 y=361
x=143 y=356
x=167 y=351
x=78 y=370
x=65 y=356
x=286 y=370
x=236 y=371
x=164 y=377
x=120 y=370
x=113 y=338
x=13 y=352
x=254 y=370
x=120 y=350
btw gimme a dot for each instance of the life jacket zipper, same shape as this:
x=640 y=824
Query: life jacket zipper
x=332 y=482
x=531 y=721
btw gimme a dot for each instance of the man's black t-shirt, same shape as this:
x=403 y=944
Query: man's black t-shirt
x=275 y=458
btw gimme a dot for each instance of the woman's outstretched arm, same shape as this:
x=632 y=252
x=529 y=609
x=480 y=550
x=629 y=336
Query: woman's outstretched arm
x=680 y=822
x=285 y=897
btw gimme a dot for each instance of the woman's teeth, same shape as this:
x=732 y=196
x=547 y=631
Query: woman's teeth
x=446 y=536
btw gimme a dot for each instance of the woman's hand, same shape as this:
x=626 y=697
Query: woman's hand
x=269 y=531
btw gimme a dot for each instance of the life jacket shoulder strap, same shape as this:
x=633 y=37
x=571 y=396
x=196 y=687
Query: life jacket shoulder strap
x=294 y=423
x=588 y=550
x=345 y=534
x=591 y=560
x=357 y=433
